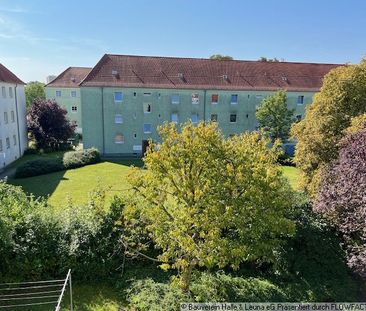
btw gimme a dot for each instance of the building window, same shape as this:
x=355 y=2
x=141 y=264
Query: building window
x=134 y=94
x=1 y=145
x=134 y=135
x=234 y=99
x=232 y=118
x=74 y=109
x=119 y=139
x=174 y=117
x=147 y=94
x=7 y=143
x=214 y=99
x=147 y=108
x=300 y=100
x=73 y=93
x=298 y=117
x=247 y=116
x=195 y=99
x=58 y=93
x=175 y=99
x=6 y=121
x=214 y=117
x=147 y=128
x=3 y=91
x=259 y=97
x=14 y=140
x=118 y=97
x=194 y=118
x=10 y=92
x=12 y=116
x=118 y=119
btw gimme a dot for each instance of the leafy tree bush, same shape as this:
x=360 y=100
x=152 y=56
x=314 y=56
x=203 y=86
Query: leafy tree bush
x=274 y=117
x=221 y=57
x=311 y=265
x=34 y=90
x=342 y=97
x=72 y=159
x=38 y=167
x=209 y=201
x=38 y=241
x=48 y=124
x=80 y=158
x=342 y=197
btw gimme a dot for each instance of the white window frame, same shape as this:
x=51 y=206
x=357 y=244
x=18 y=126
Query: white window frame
x=12 y=116
x=145 y=105
x=58 y=92
x=10 y=92
x=236 y=117
x=3 y=91
x=196 y=115
x=302 y=99
x=114 y=97
x=15 y=140
x=118 y=117
x=176 y=116
x=214 y=102
x=6 y=117
x=231 y=99
x=147 y=132
x=195 y=98
x=7 y=143
x=175 y=102
x=118 y=142
x=72 y=92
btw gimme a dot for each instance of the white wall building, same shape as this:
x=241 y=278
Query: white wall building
x=13 y=125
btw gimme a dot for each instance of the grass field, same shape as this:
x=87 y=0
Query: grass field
x=75 y=184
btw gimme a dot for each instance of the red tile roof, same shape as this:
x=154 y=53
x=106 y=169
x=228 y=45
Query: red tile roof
x=71 y=77
x=194 y=73
x=7 y=76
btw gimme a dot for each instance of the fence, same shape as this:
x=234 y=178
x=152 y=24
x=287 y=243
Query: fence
x=14 y=296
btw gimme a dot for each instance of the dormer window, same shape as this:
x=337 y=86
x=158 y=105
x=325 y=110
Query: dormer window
x=73 y=79
x=115 y=74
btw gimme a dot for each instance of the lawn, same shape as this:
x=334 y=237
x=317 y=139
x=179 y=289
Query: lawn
x=75 y=184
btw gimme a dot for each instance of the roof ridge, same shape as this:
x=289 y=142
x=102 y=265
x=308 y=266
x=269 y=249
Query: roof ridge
x=224 y=60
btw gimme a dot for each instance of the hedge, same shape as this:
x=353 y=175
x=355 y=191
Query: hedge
x=72 y=159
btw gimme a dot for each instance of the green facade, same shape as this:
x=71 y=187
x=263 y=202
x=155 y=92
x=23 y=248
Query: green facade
x=67 y=101
x=100 y=113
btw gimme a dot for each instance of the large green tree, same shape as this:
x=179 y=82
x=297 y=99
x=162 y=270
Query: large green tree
x=342 y=97
x=34 y=90
x=274 y=117
x=221 y=57
x=209 y=201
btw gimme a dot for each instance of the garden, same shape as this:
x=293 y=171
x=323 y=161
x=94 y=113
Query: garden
x=202 y=217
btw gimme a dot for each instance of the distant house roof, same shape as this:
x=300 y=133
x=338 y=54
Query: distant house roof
x=71 y=77
x=7 y=76
x=194 y=73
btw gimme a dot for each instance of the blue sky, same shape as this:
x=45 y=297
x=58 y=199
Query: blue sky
x=39 y=38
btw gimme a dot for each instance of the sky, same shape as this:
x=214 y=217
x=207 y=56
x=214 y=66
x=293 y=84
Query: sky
x=40 y=38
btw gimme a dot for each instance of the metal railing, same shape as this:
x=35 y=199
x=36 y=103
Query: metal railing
x=36 y=293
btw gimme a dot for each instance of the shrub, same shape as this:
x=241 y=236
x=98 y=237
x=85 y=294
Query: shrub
x=38 y=167
x=76 y=159
x=31 y=150
x=224 y=287
x=147 y=295
x=342 y=197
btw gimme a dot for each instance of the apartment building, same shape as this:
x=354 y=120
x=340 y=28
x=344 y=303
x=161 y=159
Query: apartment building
x=13 y=126
x=125 y=98
x=64 y=89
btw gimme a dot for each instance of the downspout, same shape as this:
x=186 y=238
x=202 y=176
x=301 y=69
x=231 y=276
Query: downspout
x=103 y=120
x=16 y=111
x=204 y=106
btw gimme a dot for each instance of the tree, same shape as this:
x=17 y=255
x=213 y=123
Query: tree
x=274 y=117
x=221 y=57
x=342 y=97
x=342 y=197
x=273 y=60
x=34 y=90
x=48 y=124
x=209 y=201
